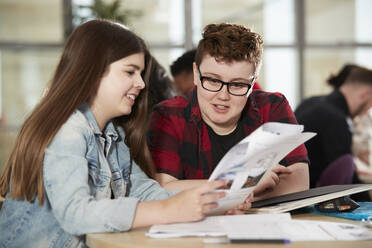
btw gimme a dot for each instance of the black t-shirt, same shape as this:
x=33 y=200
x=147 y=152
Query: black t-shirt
x=221 y=144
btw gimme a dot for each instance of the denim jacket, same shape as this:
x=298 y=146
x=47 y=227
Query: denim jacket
x=83 y=169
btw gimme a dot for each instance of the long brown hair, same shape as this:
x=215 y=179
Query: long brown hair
x=91 y=48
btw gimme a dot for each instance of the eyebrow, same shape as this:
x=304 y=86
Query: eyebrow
x=231 y=80
x=135 y=66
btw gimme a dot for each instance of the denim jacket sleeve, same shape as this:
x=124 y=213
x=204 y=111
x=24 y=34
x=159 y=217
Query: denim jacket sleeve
x=65 y=174
x=146 y=189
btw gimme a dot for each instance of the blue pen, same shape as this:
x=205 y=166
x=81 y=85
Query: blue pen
x=277 y=241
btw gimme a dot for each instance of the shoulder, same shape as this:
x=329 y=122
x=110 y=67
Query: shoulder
x=77 y=123
x=268 y=103
x=318 y=106
x=173 y=105
x=311 y=103
x=172 y=118
x=270 y=106
x=74 y=133
x=177 y=102
x=263 y=98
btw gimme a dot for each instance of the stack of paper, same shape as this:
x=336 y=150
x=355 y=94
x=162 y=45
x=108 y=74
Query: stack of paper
x=263 y=227
x=213 y=225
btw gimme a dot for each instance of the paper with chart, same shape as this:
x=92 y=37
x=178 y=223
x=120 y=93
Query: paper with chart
x=247 y=162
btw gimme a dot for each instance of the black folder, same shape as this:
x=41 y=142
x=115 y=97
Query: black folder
x=305 y=198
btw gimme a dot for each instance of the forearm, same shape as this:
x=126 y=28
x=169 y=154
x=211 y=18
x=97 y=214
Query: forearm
x=172 y=183
x=188 y=205
x=297 y=180
x=149 y=213
x=183 y=184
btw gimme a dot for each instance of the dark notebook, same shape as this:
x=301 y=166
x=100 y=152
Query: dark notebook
x=305 y=198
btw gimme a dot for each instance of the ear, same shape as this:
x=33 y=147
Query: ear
x=196 y=74
x=366 y=93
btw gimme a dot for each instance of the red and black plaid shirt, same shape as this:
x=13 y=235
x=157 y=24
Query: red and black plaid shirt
x=179 y=141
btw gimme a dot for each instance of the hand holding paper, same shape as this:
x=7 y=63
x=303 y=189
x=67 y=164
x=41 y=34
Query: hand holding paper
x=252 y=160
x=271 y=179
x=242 y=207
x=194 y=203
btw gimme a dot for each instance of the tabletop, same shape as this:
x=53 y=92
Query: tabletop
x=137 y=239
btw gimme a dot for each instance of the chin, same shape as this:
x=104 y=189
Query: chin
x=220 y=122
x=126 y=112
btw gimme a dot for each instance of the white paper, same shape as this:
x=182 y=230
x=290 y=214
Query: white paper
x=263 y=226
x=210 y=226
x=295 y=230
x=307 y=230
x=246 y=162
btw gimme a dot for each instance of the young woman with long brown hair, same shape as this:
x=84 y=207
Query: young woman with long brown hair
x=75 y=166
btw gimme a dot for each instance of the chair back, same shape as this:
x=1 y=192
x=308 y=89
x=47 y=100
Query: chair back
x=340 y=171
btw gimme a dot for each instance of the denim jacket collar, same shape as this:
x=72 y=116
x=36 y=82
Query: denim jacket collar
x=109 y=129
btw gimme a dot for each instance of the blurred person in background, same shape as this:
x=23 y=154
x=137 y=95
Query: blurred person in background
x=362 y=146
x=181 y=70
x=331 y=116
x=160 y=85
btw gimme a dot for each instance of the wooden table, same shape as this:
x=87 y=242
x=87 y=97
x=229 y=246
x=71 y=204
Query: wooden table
x=137 y=239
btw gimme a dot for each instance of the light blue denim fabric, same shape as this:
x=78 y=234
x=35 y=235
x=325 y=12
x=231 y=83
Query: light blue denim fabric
x=79 y=178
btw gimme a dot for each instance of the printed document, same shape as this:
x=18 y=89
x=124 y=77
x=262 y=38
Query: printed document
x=248 y=161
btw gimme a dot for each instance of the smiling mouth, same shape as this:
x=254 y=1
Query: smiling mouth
x=223 y=107
x=133 y=97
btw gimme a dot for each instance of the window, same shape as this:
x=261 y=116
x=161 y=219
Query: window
x=304 y=42
x=331 y=44
x=31 y=37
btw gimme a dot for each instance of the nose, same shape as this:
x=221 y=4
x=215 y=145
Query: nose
x=224 y=93
x=139 y=83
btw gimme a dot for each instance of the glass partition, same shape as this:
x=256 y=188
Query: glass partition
x=31 y=21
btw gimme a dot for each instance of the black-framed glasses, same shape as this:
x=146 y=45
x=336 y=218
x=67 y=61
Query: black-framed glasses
x=234 y=88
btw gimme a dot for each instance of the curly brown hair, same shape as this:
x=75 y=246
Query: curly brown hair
x=230 y=42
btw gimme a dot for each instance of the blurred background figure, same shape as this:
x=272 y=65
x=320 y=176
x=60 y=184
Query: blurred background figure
x=160 y=85
x=182 y=73
x=330 y=116
x=362 y=146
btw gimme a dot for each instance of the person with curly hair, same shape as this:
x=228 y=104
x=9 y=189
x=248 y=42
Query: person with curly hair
x=189 y=135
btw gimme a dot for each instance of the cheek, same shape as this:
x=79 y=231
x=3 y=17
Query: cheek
x=122 y=87
x=239 y=104
x=204 y=96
